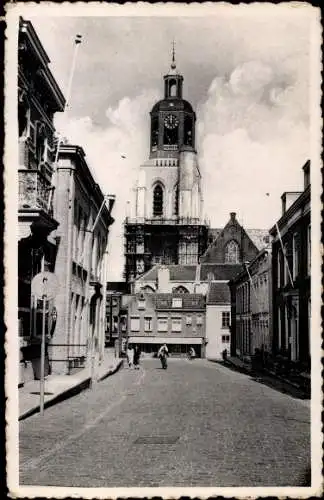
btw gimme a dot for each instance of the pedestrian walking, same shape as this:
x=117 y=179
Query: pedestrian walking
x=130 y=355
x=137 y=355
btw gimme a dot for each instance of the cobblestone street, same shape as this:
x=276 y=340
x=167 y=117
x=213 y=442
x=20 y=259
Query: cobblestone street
x=195 y=424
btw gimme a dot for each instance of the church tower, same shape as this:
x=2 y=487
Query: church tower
x=167 y=226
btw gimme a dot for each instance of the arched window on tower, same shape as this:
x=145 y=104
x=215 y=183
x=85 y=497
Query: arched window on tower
x=158 y=201
x=188 y=131
x=173 y=88
x=232 y=252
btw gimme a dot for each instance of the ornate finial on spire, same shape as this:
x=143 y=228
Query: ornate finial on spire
x=173 y=64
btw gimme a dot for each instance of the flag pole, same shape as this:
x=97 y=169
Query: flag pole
x=285 y=257
x=77 y=42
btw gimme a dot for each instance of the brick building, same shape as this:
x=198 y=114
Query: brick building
x=39 y=98
x=292 y=275
x=251 y=306
x=81 y=261
x=233 y=244
x=179 y=320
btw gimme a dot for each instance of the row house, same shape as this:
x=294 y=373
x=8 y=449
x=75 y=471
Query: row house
x=39 y=98
x=251 y=306
x=178 y=320
x=116 y=314
x=291 y=263
x=81 y=261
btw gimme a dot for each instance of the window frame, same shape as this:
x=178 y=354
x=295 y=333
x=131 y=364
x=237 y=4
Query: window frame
x=131 y=319
x=225 y=323
x=150 y=327
x=178 y=320
x=176 y=300
x=165 y=319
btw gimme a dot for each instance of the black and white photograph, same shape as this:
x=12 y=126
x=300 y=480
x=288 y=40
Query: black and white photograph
x=162 y=250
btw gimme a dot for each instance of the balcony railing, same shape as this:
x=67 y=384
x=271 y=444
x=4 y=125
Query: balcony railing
x=34 y=190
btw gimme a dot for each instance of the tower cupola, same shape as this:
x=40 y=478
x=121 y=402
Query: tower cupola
x=172 y=118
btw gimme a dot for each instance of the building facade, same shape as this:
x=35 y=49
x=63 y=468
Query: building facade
x=166 y=226
x=218 y=320
x=81 y=262
x=234 y=244
x=291 y=264
x=39 y=98
x=251 y=307
x=179 y=320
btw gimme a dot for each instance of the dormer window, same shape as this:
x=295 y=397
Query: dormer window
x=176 y=302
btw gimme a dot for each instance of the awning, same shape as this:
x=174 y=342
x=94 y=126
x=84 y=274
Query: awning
x=165 y=340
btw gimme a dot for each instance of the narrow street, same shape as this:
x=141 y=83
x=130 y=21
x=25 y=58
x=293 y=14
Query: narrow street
x=196 y=424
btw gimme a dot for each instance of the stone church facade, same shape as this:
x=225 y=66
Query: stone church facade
x=167 y=226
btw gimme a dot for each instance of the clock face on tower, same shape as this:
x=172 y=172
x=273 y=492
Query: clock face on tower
x=171 y=121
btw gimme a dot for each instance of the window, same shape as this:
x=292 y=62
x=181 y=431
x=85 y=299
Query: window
x=295 y=256
x=135 y=324
x=286 y=271
x=141 y=303
x=188 y=320
x=176 y=324
x=309 y=250
x=158 y=201
x=147 y=324
x=279 y=261
x=199 y=320
x=176 y=200
x=226 y=317
x=232 y=252
x=225 y=338
x=162 y=324
x=176 y=302
x=180 y=289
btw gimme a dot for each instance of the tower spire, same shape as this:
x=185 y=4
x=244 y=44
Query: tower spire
x=173 y=63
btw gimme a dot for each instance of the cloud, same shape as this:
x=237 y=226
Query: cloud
x=253 y=133
x=114 y=153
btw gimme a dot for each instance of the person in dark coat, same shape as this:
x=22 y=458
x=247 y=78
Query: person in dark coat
x=137 y=355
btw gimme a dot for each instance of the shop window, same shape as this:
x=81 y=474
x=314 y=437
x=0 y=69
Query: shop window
x=162 y=324
x=135 y=324
x=176 y=324
x=226 y=317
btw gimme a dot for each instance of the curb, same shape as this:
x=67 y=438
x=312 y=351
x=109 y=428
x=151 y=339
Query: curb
x=70 y=392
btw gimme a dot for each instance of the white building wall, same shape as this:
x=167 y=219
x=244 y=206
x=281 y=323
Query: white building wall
x=214 y=331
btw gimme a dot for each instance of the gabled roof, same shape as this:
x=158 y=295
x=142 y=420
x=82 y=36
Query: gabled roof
x=178 y=272
x=260 y=237
x=218 y=293
x=190 y=301
x=219 y=272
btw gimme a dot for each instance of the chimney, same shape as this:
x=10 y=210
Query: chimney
x=163 y=279
x=233 y=216
x=288 y=198
x=306 y=169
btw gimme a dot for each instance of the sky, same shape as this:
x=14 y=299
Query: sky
x=247 y=74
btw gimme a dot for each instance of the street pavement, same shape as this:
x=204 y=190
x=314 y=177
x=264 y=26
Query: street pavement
x=194 y=424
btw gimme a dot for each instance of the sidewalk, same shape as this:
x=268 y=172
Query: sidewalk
x=60 y=387
x=268 y=377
